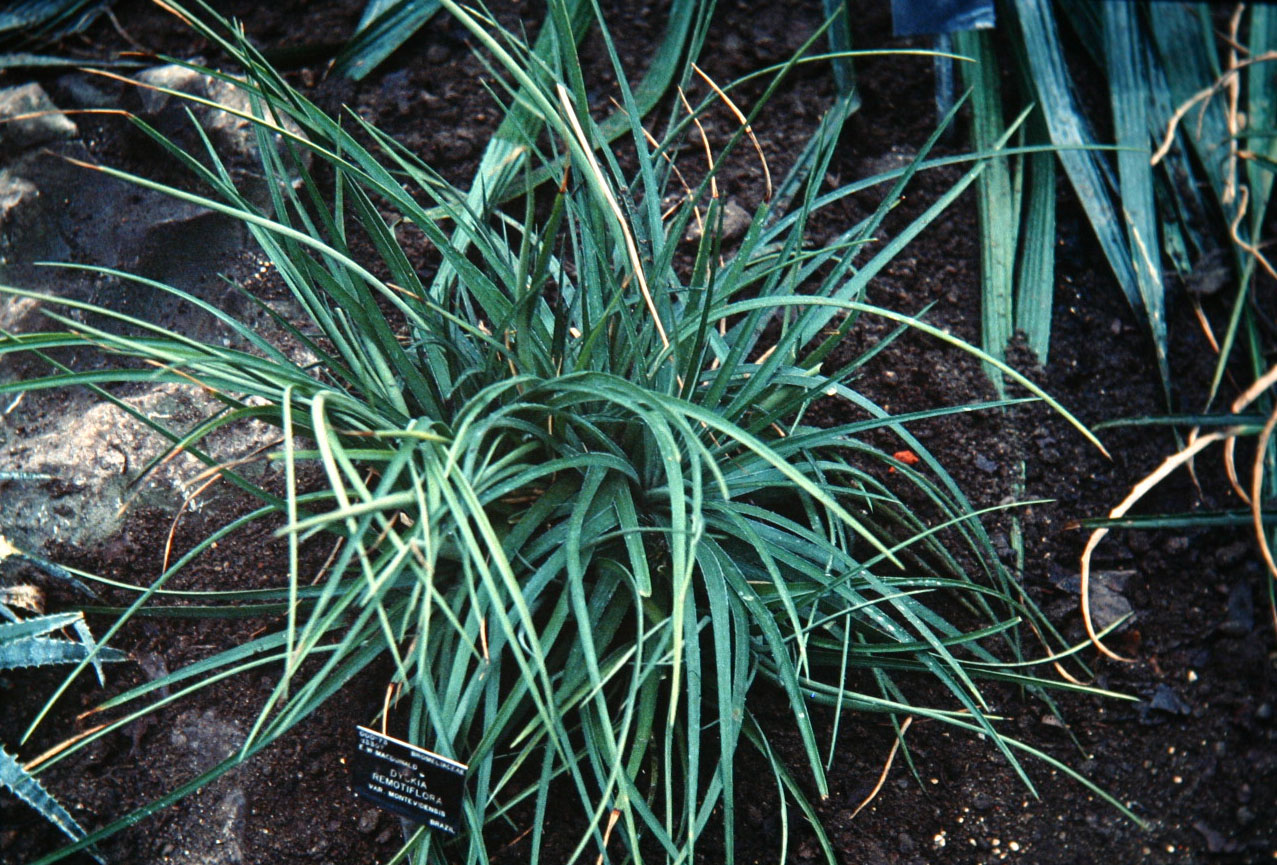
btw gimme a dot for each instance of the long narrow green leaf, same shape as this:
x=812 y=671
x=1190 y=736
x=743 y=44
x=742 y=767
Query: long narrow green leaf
x=1128 y=69
x=999 y=216
x=1035 y=277
x=1070 y=131
x=838 y=12
x=384 y=27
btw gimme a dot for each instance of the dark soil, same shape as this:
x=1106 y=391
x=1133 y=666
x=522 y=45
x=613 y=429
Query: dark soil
x=1197 y=759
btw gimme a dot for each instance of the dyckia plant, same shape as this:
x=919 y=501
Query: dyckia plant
x=580 y=510
x=33 y=640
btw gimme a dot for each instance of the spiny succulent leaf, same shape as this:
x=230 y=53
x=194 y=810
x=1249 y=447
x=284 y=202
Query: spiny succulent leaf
x=41 y=651
x=86 y=637
x=15 y=777
x=36 y=627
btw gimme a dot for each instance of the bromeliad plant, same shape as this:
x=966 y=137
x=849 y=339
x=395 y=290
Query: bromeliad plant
x=579 y=508
x=1192 y=107
x=26 y=641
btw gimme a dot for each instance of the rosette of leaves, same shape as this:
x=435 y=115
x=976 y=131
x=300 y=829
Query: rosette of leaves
x=32 y=642
x=581 y=511
x=31 y=29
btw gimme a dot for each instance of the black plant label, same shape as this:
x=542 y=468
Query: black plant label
x=410 y=781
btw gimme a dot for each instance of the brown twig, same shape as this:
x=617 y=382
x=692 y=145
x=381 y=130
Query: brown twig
x=1203 y=94
x=607 y=832
x=886 y=769
x=172 y=530
x=62 y=746
x=744 y=122
x=1169 y=465
x=709 y=156
x=1256 y=492
x=1195 y=445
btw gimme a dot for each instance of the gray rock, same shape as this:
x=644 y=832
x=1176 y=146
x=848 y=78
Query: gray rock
x=52 y=209
x=368 y=821
x=1108 y=606
x=736 y=221
x=211 y=832
x=27 y=231
x=1108 y=603
x=158 y=79
x=1166 y=701
x=95 y=450
x=14 y=193
x=206 y=738
x=40 y=123
x=231 y=133
x=182 y=245
x=167 y=112
x=1215 y=841
x=1212 y=272
x=1071 y=582
x=897 y=158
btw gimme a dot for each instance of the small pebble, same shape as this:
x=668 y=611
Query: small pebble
x=368 y=821
x=1232 y=554
x=1166 y=700
x=1241 y=612
x=1215 y=842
